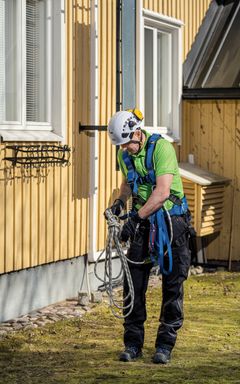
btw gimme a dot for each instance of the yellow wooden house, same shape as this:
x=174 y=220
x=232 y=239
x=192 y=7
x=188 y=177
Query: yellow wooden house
x=66 y=67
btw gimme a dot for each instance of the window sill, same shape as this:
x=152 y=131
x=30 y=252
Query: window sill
x=11 y=135
x=166 y=135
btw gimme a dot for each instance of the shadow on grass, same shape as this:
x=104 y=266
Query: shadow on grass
x=97 y=366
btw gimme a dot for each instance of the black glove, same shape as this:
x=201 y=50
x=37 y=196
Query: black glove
x=130 y=228
x=116 y=207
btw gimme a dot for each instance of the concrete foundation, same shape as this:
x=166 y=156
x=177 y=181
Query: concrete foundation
x=34 y=288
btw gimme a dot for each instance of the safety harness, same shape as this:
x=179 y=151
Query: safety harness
x=158 y=237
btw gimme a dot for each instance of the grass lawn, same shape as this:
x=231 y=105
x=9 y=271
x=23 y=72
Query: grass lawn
x=86 y=350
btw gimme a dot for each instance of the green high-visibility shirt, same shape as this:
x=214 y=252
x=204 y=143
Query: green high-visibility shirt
x=164 y=162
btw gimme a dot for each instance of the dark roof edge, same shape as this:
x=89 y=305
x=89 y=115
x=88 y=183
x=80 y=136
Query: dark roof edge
x=211 y=93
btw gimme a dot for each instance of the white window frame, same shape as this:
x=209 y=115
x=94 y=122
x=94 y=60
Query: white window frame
x=55 y=129
x=146 y=18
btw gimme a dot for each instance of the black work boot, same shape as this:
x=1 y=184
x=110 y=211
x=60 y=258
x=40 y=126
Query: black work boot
x=130 y=353
x=162 y=356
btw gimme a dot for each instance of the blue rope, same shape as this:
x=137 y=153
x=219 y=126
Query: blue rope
x=160 y=239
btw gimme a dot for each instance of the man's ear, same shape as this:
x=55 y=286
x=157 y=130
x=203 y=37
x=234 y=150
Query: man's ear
x=137 y=134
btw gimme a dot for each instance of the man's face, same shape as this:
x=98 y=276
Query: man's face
x=132 y=148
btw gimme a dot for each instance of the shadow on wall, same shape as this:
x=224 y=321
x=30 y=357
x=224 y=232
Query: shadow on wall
x=81 y=99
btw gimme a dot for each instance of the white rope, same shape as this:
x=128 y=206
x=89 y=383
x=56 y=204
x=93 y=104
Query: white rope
x=108 y=280
x=114 y=229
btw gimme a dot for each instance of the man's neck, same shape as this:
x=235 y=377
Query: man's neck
x=143 y=139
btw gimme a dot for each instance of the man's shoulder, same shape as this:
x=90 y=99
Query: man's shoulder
x=164 y=157
x=164 y=145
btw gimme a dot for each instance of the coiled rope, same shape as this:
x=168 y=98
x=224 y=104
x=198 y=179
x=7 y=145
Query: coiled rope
x=109 y=281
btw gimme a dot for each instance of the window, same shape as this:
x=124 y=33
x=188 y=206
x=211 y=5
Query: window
x=32 y=69
x=211 y=69
x=224 y=70
x=160 y=60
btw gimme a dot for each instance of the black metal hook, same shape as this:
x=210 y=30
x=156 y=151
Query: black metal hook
x=83 y=128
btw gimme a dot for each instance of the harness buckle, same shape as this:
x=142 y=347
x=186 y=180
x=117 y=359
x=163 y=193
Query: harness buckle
x=175 y=200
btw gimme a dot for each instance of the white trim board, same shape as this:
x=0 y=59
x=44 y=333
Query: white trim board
x=27 y=135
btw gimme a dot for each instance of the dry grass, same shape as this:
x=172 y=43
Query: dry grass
x=86 y=350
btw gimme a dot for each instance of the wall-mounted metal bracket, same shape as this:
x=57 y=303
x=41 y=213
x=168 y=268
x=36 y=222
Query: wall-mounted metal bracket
x=83 y=128
x=39 y=156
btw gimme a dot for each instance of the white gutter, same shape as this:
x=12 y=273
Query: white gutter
x=93 y=210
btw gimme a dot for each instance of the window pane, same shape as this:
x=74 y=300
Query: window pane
x=226 y=70
x=164 y=85
x=9 y=61
x=37 y=60
x=148 y=77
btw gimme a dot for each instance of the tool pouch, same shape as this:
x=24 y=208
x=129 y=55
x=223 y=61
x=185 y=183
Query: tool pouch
x=192 y=238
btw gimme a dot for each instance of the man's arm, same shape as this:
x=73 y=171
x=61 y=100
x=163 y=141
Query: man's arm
x=125 y=191
x=157 y=197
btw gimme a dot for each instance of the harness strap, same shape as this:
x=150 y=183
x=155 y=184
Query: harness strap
x=159 y=240
x=134 y=179
x=132 y=174
x=178 y=210
x=150 y=147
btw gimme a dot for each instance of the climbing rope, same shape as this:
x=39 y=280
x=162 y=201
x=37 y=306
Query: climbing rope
x=114 y=228
x=108 y=280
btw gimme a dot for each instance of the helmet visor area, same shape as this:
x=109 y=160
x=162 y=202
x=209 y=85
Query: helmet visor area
x=127 y=134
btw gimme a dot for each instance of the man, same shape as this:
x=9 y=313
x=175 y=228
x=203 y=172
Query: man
x=126 y=129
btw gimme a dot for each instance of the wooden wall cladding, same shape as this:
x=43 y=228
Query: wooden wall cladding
x=211 y=132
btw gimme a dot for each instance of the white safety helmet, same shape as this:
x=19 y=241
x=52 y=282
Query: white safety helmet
x=123 y=124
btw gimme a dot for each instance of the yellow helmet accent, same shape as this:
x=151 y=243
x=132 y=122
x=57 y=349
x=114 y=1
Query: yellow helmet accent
x=137 y=113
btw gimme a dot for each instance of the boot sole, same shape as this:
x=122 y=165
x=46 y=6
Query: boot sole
x=126 y=359
x=155 y=360
x=161 y=362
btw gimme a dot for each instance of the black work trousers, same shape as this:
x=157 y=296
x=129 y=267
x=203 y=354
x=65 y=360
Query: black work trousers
x=171 y=314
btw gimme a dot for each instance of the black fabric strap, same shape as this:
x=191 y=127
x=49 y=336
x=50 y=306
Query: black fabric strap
x=174 y=199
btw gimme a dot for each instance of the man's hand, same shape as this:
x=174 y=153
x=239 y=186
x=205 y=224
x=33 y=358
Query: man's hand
x=116 y=208
x=130 y=228
x=158 y=196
